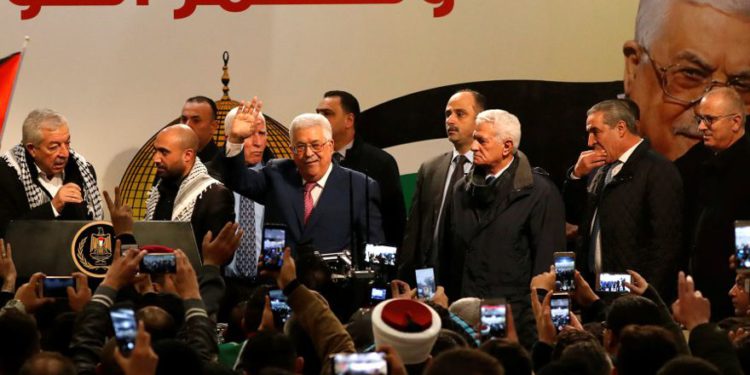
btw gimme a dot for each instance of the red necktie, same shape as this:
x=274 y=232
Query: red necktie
x=308 y=199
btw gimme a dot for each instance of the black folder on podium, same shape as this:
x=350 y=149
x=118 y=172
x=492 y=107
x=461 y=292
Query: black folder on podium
x=45 y=245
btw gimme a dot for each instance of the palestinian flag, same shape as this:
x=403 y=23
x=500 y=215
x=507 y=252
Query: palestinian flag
x=8 y=72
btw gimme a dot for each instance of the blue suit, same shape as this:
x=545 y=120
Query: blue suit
x=336 y=216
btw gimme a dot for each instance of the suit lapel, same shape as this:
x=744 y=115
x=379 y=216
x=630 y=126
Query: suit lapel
x=335 y=189
x=298 y=197
x=441 y=174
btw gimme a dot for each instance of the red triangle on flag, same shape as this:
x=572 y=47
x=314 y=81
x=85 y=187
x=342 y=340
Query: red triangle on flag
x=8 y=72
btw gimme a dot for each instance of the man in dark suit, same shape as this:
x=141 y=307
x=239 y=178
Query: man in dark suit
x=185 y=191
x=627 y=200
x=199 y=113
x=722 y=194
x=342 y=110
x=434 y=178
x=322 y=204
x=42 y=178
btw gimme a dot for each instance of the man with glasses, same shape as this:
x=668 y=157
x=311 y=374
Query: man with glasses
x=627 y=200
x=683 y=49
x=722 y=194
x=323 y=205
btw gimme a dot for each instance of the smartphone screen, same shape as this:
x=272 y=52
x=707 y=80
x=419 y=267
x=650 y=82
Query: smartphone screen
x=492 y=319
x=359 y=363
x=56 y=286
x=123 y=321
x=425 y=283
x=158 y=263
x=383 y=255
x=281 y=310
x=560 y=309
x=377 y=295
x=742 y=244
x=565 y=268
x=274 y=240
x=614 y=282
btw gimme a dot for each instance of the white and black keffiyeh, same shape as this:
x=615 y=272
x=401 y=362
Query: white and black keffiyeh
x=191 y=188
x=16 y=159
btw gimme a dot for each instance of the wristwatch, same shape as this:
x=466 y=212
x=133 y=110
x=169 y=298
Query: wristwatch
x=15 y=304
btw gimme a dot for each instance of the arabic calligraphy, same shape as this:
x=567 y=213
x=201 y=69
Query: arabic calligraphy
x=34 y=7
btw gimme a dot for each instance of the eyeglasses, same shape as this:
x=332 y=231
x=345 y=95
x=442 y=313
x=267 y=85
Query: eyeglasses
x=688 y=83
x=710 y=120
x=301 y=148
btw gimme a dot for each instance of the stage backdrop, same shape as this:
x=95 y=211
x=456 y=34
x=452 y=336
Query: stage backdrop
x=121 y=70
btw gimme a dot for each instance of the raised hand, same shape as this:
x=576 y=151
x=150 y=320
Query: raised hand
x=68 y=193
x=587 y=161
x=691 y=308
x=7 y=267
x=244 y=122
x=121 y=213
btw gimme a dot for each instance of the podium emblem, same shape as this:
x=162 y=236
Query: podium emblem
x=92 y=248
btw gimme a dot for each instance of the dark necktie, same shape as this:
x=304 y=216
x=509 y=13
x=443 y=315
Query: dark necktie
x=247 y=257
x=608 y=171
x=458 y=172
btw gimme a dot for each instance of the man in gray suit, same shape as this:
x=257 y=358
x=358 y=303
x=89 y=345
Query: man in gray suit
x=434 y=178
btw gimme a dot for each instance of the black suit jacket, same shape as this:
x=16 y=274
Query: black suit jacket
x=640 y=216
x=15 y=206
x=382 y=167
x=279 y=187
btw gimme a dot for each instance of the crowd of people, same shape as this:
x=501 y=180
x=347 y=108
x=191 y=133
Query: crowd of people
x=655 y=196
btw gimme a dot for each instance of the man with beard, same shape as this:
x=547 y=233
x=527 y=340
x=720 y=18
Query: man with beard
x=185 y=191
x=42 y=178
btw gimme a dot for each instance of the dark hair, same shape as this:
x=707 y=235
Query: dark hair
x=465 y=362
x=447 y=340
x=268 y=349
x=207 y=100
x=157 y=322
x=48 y=363
x=631 y=309
x=348 y=102
x=514 y=358
x=570 y=337
x=633 y=108
x=687 y=365
x=176 y=357
x=20 y=340
x=590 y=355
x=480 y=101
x=644 y=350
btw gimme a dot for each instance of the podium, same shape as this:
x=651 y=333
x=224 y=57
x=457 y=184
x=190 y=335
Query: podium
x=49 y=245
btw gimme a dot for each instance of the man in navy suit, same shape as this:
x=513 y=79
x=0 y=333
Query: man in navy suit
x=323 y=205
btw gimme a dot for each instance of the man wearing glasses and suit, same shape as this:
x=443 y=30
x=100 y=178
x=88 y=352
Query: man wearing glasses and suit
x=322 y=204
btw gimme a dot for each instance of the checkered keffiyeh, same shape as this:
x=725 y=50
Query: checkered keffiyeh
x=16 y=159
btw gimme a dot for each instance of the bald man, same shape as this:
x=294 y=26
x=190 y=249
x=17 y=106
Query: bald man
x=722 y=194
x=185 y=191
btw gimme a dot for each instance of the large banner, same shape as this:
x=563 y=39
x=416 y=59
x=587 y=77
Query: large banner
x=121 y=70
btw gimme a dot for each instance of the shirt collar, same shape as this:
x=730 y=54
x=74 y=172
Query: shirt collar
x=43 y=175
x=345 y=149
x=496 y=175
x=322 y=181
x=469 y=155
x=626 y=155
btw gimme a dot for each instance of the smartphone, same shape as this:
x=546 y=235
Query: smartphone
x=281 y=310
x=565 y=269
x=742 y=244
x=613 y=282
x=383 y=255
x=158 y=263
x=377 y=295
x=359 y=364
x=560 y=309
x=56 y=286
x=123 y=321
x=492 y=318
x=274 y=240
x=425 y=283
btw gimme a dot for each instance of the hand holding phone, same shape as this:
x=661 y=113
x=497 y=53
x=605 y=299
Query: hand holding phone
x=565 y=268
x=742 y=245
x=492 y=317
x=158 y=263
x=560 y=310
x=274 y=240
x=55 y=286
x=125 y=326
x=279 y=307
x=425 y=283
x=614 y=282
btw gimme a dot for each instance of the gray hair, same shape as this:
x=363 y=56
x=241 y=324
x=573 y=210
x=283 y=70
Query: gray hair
x=615 y=110
x=505 y=124
x=653 y=13
x=309 y=120
x=37 y=120
x=732 y=100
